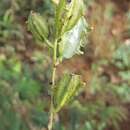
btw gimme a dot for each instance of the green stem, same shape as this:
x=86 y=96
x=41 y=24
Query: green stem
x=48 y=42
x=50 y=125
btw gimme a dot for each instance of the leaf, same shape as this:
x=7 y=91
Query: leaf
x=66 y=89
x=39 y=118
x=8 y=17
x=114 y=115
x=125 y=75
x=28 y=88
x=72 y=41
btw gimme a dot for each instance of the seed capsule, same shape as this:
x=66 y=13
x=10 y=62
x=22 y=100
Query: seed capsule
x=56 y=1
x=38 y=27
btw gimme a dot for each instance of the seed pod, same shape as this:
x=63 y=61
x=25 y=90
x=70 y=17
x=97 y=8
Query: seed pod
x=67 y=15
x=75 y=12
x=38 y=27
x=66 y=89
x=60 y=16
x=56 y=1
x=72 y=41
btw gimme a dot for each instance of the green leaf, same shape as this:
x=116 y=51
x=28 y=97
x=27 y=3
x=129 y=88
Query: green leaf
x=8 y=17
x=28 y=88
x=66 y=89
x=72 y=41
x=121 y=56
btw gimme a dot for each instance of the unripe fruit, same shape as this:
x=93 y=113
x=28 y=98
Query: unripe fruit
x=37 y=25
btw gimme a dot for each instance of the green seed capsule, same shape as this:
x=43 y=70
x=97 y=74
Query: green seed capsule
x=75 y=12
x=38 y=27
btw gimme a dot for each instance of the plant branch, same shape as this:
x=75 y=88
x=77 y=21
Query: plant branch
x=52 y=113
x=48 y=42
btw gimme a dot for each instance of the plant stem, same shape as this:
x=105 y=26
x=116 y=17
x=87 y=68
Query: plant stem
x=48 y=42
x=50 y=125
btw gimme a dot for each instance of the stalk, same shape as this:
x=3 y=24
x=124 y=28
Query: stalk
x=52 y=113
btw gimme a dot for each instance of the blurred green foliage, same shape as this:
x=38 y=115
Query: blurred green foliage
x=18 y=90
x=25 y=70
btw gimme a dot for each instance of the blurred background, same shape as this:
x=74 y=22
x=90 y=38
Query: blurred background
x=25 y=71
